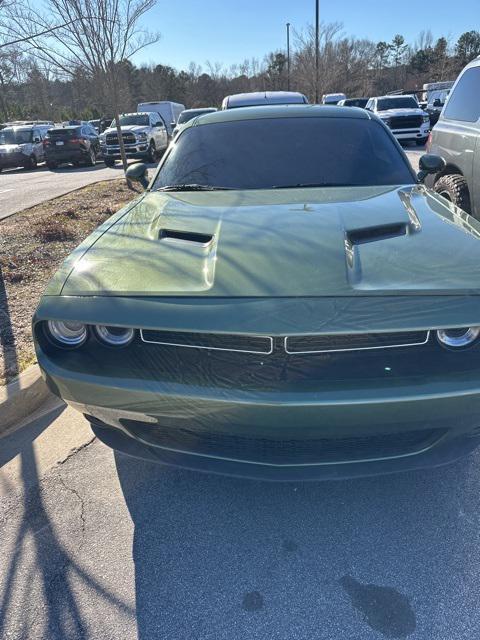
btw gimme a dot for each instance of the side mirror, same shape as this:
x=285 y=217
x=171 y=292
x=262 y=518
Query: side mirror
x=36 y=140
x=437 y=103
x=430 y=163
x=173 y=125
x=138 y=173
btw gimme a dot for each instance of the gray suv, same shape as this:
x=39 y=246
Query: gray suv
x=456 y=137
x=22 y=146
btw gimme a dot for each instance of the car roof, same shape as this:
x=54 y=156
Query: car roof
x=280 y=111
x=263 y=98
x=68 y=127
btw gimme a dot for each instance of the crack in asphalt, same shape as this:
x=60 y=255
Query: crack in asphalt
x=82 y=506
x=76 y=450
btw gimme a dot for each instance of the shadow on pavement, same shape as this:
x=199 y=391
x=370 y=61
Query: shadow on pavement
x=225 y=558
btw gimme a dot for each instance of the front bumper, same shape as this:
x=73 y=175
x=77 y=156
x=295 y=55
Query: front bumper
x=318 y=434
x=412 y=134
x=138 y=150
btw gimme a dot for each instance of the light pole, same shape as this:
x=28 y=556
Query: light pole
x=317 y=46
x=288 y=56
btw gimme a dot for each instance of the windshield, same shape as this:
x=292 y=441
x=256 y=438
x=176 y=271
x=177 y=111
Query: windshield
x=140 y=120
x=185 y=116
x=283 y=152
x=15 y=136
x=355 y=102
x=396 y=103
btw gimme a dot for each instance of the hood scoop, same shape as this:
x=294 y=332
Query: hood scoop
x=376 y=233
x=190 y=237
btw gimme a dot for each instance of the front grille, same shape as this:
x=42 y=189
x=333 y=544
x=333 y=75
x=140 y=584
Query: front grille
x=221 y=342
x=128 y=138
x=351 y=342
x=406 y=122
x=289 y=451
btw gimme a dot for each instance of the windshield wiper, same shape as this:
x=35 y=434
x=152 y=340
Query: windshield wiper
x=307 y=185
x=192 y=187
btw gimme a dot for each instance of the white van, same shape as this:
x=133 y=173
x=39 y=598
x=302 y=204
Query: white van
x=168 y=110
x=333 y=98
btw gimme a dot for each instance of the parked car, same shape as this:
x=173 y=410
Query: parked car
x=21 y=146
x=145 y=137
x=169 y=112
x=333 y=98
x=260 y=98
x=353 y=102
x=100 y=124
x=284 y=301
x=189 y=114
x=456 y=137
x=71 y=145
x=403 y=116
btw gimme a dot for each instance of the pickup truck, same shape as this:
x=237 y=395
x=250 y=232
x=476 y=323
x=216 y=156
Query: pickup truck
x=402 y=114
x=145 y=137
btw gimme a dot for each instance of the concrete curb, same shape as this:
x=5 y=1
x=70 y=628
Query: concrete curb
x=22 y=397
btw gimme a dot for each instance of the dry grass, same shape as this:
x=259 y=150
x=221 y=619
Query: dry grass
x=33 y=243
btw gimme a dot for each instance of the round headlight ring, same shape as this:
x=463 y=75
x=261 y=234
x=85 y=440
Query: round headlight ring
x=458 y=338
x=67 y=333
x=114 y=336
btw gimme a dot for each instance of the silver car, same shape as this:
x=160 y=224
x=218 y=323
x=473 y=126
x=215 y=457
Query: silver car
x=22 y=146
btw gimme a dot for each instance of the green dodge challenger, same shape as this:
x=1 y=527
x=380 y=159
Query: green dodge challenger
x=286 y=300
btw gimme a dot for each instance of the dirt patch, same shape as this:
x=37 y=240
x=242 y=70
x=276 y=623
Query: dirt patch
x=33 y=244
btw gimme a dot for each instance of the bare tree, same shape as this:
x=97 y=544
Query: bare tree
x=91 y=36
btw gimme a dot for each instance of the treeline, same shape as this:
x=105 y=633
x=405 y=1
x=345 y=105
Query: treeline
x=357 y=67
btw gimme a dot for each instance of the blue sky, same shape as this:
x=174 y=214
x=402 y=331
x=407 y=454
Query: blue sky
x=229 y=31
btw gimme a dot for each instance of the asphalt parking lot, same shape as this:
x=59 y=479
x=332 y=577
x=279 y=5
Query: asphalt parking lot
x=22 y=188
x=96 y=545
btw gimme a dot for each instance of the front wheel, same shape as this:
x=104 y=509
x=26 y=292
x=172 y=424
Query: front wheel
x=31 y=163
x=455 y=189
x=152 y=152
x=110 y=162
x=52 y=165
x=92 y=158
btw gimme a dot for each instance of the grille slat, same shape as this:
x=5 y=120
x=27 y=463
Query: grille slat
x=406 y=122
x=286 y=451
x=353 y=342
x=221 y=342
x=128 y=138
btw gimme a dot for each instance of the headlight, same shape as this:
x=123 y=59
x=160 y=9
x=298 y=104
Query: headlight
x=141 y=136
x=426 y=118
x=102 y=137
x=114 y=336
x=67 y=333
x=455 y=338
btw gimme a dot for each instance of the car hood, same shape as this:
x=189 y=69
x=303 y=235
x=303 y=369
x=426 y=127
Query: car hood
x=395 y=113
x=295 y=242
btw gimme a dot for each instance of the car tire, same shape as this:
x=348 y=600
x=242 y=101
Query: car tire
x=110 y=162
x=52 y=165
x=152 y=152
x=92 y=158
x=31 y=163
x=454 y=188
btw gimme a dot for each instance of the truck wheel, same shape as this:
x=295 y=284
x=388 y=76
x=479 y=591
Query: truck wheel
x=31 y=163
x=52 y=165
x=110 y=162
x=454 y=188
x=152 y=152
x=92 y=158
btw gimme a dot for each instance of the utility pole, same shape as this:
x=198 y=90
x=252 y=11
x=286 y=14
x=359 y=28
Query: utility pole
x=317 y=46
x=288 y=56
